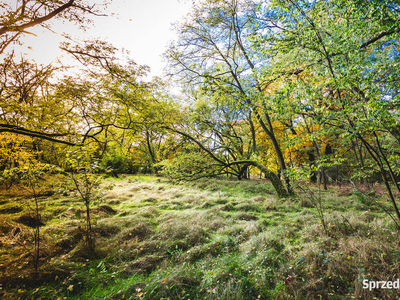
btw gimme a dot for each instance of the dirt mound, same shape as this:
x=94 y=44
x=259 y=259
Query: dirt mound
x=29 y=220
x=107 y=209
x=71 y=239
x=139 y=232
x=11 y=210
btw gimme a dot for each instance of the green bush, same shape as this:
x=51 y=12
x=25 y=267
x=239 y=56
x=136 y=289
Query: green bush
x=119 y=164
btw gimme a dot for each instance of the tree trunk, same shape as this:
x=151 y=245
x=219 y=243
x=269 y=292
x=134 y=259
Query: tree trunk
x=278 y=185
x=152 y=156
x=275 y=179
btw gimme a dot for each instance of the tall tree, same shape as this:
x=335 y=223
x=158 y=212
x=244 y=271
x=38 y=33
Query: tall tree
x=26 y=89
x=214 y=52
x=351 y=48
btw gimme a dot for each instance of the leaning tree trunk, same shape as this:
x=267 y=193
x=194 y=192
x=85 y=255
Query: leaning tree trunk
x=275 y=179
x=283 y=189
x=278 y=185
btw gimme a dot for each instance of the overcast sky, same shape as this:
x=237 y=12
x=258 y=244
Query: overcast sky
x=143 y=27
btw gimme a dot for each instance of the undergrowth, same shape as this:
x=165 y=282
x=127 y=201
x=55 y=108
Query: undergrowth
x=210 y=239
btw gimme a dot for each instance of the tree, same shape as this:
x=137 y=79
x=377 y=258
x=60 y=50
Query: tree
x=29 y=103
x=214 y=52
x=223 y=128
x=31 y=178
x=355 y=94
x=85 y=176
x=113 y=95
x=17 y=17
x=27 y=87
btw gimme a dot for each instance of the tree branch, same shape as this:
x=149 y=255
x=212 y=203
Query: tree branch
x=37 y=21
x=378 y=37
x=32 y=133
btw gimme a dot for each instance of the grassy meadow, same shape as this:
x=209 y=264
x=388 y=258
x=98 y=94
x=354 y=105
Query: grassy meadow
x=209 y=239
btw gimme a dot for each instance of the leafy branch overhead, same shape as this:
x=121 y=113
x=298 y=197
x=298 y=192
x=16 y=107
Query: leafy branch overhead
x=24 y=14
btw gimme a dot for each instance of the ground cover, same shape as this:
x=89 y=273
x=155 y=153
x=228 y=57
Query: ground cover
x=209 y=239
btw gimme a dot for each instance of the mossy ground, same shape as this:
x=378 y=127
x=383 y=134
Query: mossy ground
x=210 y=239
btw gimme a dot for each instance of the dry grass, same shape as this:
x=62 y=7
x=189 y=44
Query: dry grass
x=212 y=239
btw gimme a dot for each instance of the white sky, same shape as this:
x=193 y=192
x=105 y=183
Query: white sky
x=143 y=27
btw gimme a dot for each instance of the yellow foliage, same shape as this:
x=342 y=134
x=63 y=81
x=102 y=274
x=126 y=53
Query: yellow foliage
x=295 y=147
x=14 y=151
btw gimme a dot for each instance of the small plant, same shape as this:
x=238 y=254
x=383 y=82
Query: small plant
x=30 y=176
x=84 y=174
x=175 y=252
x=302 y=175
x=316 y=199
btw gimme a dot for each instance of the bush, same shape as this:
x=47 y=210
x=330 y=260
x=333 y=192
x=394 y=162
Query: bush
x=119 y=164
